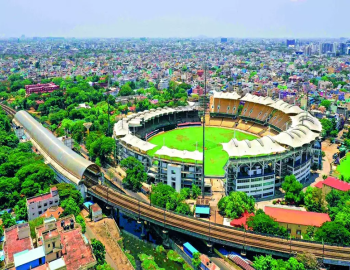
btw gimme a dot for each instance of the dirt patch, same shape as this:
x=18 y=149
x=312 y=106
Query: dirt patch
x=181 y=138
x=107 y=232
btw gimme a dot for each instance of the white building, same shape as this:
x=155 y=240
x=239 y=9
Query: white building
x=39 y=204
x=163 y=84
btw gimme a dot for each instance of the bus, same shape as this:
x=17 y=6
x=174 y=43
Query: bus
x=189 y=249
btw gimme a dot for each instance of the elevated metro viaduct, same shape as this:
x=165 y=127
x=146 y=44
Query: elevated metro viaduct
x=72 y=168
x=216 y=233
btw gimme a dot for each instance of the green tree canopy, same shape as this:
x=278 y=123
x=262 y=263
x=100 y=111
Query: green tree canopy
x=293 y=190
x=99 y=251
x=265 y=224
x=236 y=203
x=135 y=173
x=333 y=232
x=314 y=200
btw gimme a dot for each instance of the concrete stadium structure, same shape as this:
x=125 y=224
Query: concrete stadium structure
x=288 y=143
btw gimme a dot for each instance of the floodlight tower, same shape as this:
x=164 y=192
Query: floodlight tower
x=204 y=101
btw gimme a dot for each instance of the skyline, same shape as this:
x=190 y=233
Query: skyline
x=235 y=19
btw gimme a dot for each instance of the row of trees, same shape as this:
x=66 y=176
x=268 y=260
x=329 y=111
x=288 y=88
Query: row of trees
x=22 y=173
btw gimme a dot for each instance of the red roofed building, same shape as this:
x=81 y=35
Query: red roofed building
x=332 y=183
x=198 y=90
x=296 y=221
x=41 y=88
x=54 y=211
x=37 y=205
x=242 y=221
x=17 y=239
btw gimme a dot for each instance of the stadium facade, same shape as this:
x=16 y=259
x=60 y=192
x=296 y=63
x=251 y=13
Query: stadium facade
x=287 y=143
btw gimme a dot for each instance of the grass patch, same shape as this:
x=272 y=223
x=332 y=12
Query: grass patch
x=191 y=139
x=344 y=167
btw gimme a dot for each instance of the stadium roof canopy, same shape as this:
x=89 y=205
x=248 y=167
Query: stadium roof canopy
x=259 y=100
x=231 y=95
x=59 y=154
x=263 y=146
x=138 y=143
x=307 y=120
x=136 y=119
x=166 y=151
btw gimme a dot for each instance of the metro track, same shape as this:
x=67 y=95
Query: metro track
x=218 y=232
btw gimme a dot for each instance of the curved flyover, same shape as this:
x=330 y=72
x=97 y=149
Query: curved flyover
x=62 y=158
x=219 y=233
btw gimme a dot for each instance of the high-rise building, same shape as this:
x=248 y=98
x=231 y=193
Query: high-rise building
x=326 y=47
x=223 y=40
x=291 y=42
x=342 y=48
x=308 y=50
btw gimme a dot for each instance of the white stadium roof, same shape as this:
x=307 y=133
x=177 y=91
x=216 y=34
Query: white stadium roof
x=230 y=95
x=262 y=146
x=138 y=143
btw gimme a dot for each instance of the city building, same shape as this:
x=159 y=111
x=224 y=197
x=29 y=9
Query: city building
x=291 y=42
x=331 y=183
x=202 y=208
x=41 y=88
x=37 y=205
x=96 y=212
x=54 y=211
x=326 y=48
x=67 y=141
x=163 y=84
x=296 y=221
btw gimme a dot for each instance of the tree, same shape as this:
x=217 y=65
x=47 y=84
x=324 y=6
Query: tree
x=79 y=219
x=21 y=210
x=236 y=203
x=66 y=191
x=196 y=191
x=327 y=126
x=265 y=263
x=326 y=103
x=196 y=261
x=269 y=263
x=293 y=190
x=101 y=148
x=161 y=194
x=70 y=207
x=135 y=173
x=7 y=220
x=126 y=90
x=185 y=193
x=105 y=266
x=265 y=224
x=99 y=251
x=314 y=200
x=333 y=232
x=309 y=260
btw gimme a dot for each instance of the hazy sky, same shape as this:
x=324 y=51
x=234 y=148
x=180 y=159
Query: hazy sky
x=177 y=18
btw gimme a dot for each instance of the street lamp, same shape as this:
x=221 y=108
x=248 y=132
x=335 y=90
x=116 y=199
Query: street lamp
x=107 y=207
x=243 y=252
x=138 y=220
x=164 y=230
